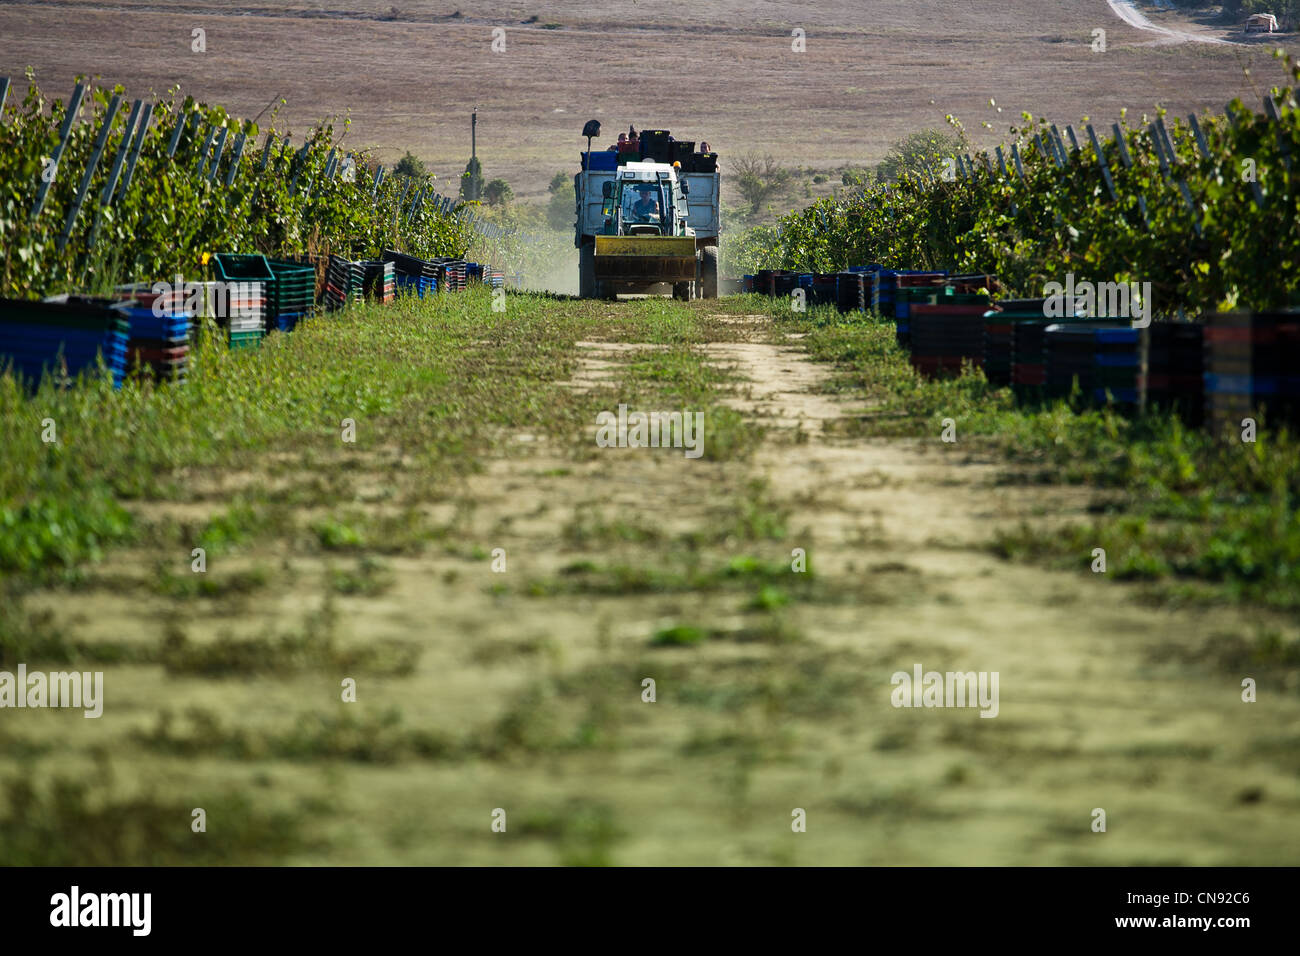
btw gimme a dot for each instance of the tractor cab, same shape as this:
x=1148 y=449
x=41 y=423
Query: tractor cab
x=645 y=199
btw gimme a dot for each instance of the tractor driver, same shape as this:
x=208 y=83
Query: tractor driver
x=646 y=208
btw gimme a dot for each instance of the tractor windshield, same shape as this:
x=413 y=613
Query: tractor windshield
x=643 y=203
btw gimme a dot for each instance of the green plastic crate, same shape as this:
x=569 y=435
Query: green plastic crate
x=246 y=340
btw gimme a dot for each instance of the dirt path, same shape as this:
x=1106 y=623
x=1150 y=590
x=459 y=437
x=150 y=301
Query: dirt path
x=1102 y=702
x=1085 y=669
x=774 y=686
x=1130 y=13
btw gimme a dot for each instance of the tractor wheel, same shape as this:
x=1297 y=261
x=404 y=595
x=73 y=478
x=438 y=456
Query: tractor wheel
x=709 y=272
x=587 y=272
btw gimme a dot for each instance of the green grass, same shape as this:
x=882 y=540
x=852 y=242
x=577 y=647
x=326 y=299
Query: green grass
x=383 y=739
x=583 y=833
x=35 y=637
x=440 y=380
x=314 y=648
x=679 y=635
x=86 y=823
x=680 y=571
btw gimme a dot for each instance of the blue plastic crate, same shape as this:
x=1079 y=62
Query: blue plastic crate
x=1229 y=384
x=1116 y=359
x=603 y=161
x=145 y=325
x=419 y=284
x=1116 y=336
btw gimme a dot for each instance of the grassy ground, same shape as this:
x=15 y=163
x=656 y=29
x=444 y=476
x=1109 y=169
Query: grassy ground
x=1201 y=517
x=499 y=588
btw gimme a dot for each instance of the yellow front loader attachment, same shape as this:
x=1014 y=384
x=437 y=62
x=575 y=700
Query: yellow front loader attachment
x=645 y=258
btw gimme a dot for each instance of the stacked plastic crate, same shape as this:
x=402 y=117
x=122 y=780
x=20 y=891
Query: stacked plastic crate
x=775 y=282
x=852 y=290
x=1251 y=365
x=67 y=335
x=1026 y=320
x=411 y=273
x=245 y=314
x=378 y=281
x=481 y=272
x=912 y=287
x=159 y=339
x=246 y=284
x=947 y=331
x=1175 y=377
x=824 y=289
x=885 y=298
x=804 y=281
x=493 y=278
x=343 y=283
x=451 y=273
x=1101 y=357
x=997 y=347
x=292 y=297
x=1277 y=365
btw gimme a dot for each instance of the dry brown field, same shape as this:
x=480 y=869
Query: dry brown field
x=408 y=74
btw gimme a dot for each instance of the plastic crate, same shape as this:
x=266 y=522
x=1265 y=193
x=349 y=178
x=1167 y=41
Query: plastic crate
x=294 y=290
x=246 y=340
x=603 y=161
x=378 y=280
x=71 y=334
x=234 y=266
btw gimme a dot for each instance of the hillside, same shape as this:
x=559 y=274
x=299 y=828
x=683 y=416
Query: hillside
x=408 y=74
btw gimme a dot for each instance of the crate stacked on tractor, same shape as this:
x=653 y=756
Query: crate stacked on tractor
x=649 y=223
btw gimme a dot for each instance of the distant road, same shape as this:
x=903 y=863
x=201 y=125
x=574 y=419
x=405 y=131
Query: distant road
x=1127 y=10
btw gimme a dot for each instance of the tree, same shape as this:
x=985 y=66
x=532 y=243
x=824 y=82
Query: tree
x=559 y=209
x=471 y=180
x=925 y=150
x=410 y=165
x=759 y=179
x=498 y=193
